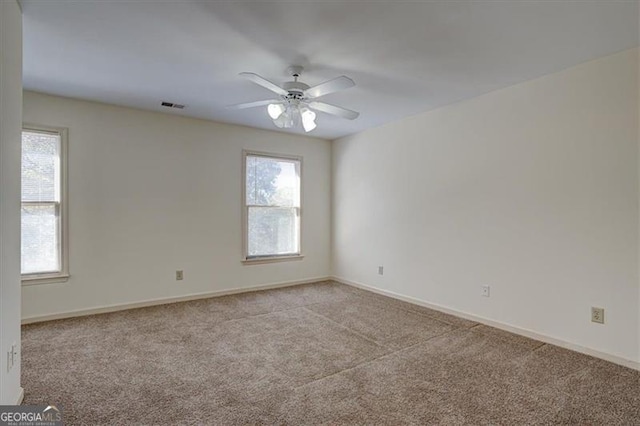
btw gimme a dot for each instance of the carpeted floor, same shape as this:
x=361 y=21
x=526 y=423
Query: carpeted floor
x=321 y=353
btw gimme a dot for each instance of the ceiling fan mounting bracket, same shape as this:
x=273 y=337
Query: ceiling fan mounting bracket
x=295 y=71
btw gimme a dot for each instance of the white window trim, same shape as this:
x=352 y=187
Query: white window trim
x=63 y=274
x=256 y=260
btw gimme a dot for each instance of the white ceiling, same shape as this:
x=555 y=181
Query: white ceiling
x=406 y=57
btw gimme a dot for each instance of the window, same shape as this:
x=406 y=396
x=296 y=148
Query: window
x=271 y=207
x=43 y=253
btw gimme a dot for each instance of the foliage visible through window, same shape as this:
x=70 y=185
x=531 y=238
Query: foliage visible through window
x=273 y=206
x=41 y=203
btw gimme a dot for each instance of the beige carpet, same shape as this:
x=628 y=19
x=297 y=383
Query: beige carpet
x=322 y=353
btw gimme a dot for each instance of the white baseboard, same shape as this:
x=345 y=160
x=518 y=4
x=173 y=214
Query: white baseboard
x=164 y=301
x=20 y=396
x=510 y=328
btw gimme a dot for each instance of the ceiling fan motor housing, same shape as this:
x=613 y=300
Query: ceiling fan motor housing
x=295 y=88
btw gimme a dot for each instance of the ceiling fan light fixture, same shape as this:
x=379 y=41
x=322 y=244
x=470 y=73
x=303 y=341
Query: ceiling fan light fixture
x=294 y=113
x=289 y=121
x=281 y=122
x=309 y=126
x=275 y=110
x=308 y=119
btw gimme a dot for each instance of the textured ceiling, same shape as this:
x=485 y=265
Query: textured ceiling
x=406 y=57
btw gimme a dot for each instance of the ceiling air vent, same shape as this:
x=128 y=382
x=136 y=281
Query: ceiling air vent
x=172 y=105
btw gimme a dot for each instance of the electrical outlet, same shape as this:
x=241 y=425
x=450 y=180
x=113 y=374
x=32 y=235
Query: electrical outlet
x=380 y=270
x=597 y=315
x=179 y=275
x=486 y=291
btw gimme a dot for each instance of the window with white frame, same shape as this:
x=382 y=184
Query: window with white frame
x=271 y=206
x=43 y=253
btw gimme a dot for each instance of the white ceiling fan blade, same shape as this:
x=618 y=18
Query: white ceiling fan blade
x=264 y=83
x=334 y=110
x=331 y=86
x=253 y=104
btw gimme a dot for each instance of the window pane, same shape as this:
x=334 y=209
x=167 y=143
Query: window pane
x=272 y=182
x=272 y=231
x=39 y=239
x=40 y=166
x=251 y=181
x=287 y=183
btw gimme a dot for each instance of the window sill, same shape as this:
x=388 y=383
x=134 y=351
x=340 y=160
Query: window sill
x=274 y=259
x=45 y=279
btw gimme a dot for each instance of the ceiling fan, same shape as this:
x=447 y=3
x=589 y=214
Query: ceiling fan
x=296 y=100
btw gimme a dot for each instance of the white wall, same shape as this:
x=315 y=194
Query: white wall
x=532 y=190
x=152 y=193
x=10 y=126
